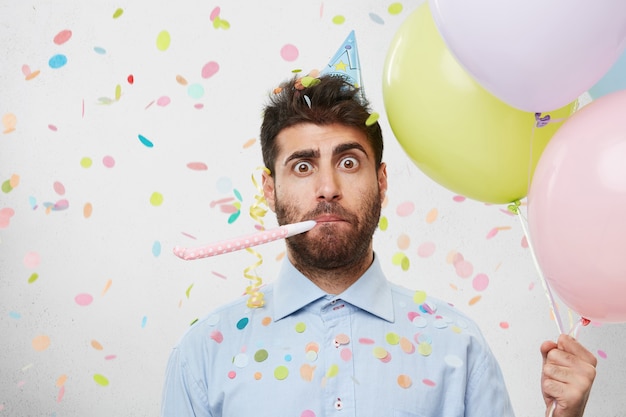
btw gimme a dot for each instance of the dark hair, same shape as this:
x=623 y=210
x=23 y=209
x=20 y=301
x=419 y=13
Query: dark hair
x=325 y=100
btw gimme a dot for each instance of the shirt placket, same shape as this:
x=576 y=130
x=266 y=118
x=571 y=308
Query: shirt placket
x=338 y=380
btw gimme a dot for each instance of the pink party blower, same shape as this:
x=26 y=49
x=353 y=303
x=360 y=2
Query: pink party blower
x=244 y=242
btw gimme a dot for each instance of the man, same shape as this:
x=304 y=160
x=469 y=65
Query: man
x=335 y=337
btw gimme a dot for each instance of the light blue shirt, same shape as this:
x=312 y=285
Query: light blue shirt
x=376 y=350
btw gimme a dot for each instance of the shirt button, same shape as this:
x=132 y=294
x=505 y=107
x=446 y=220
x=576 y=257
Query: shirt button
x=338 y=404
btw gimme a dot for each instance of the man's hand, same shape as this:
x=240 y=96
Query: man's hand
x=567 y=375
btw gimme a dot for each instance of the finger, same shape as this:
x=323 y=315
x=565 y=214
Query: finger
x=546 y=347
x=571 y=345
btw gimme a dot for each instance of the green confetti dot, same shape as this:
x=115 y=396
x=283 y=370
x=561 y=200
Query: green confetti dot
x=118 y=92
x=156 y=199
x=101 y=380
x=405 y=264
x=395 y=8
x=281 y=372
x=33 y=277
x=118 y=13
x=6 y=186
x=261 y=355
x=300 y=327
x=188 y=290
x=383 y=223
x=233 y=217
x=195 y=91
x=339 y=19
x=332 y=371
x=163 y=40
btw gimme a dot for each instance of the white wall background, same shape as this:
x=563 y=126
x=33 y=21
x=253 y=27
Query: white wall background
x=53 y=341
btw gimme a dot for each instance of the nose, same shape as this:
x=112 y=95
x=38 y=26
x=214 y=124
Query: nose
x=328 y=187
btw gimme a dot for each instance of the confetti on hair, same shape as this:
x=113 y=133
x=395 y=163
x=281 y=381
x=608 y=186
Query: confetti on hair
x=258 y=209
x=373 y=118
x=308 y=100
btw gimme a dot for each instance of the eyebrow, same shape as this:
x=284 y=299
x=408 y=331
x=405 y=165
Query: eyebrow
x=314 y=153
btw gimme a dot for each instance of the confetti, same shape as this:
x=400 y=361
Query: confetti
x=32 y=260
x=33 y=277
x=62 y=37
x=58 y=188
x=214 y=13
x=197 y=166
x=395 y=8
x=83 y=299
x=108 y=161
x=61 y=380
x=458 y=198
x=5 y=216
x=383 y=223
x=188 y=290
x=41 y=343
x=181 y=80
x=289 y=52
x=504 y=325
x=101 y=380
x=145 y=141
x=118 y=92
x=249 y=143
x=99 y=50
x=163 y=101
x=403 y=241
x=404 y=381
x=156 y=199
x=163 y=40
x=339 y=20
x=118 y=13
x=96 y=345
x=281 y=372
x=57 y=61
x=376 y=19
x=405 y=209
x=86 y=162
x=474 y=300
x=426 y=249
x=106 y=287
x=210 y=69
x=9 y=121
x=372 y=119
x=156 y=248
x=144 y=321
x=195 y=91
x=480 y=282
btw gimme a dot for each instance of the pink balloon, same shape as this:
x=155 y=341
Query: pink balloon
x=577 y=208
x=534 y=55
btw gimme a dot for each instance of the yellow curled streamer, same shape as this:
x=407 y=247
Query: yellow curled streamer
x=258 y=210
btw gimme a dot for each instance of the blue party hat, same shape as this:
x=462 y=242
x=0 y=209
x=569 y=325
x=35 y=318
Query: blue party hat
x=345 y=62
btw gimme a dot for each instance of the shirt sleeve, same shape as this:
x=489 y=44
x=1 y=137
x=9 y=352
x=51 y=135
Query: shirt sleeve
x=183 y=394
x=486 y=393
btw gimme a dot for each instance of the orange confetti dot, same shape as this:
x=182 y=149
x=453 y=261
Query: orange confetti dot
x=266 y=321
x=181 y=80
x=106 y=287
x=249 y=143
x=41 y=343
x=258 y=375
x=404 y=241
x=404 y=381
x=61 y=380
x=87 y=210
x=474 y=300
x=96 y=345
x=432 y=216
x=32 y=75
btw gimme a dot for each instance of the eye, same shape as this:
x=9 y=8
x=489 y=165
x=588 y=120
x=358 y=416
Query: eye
x=302 y=167
x=349 y=163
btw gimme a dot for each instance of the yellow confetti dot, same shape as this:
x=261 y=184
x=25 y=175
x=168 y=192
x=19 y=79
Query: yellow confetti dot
x=118 y=92
x=373 y=118
x=339 y=20
x=380 y=352
x=456 y=329
x=404 y=381
x=300 y=327
x=101 y=380
x=33 y=277
x=383 y=223
x=118 y=13
x=41 y=343
x=405 y=264
x=332 y=371
x=163 y=40
x=392 y=338
x=425 y=349
x=281 y=372
x=419 y=297
x=397 y=258
x=395 y=8
x=156 y=199
x=86 y=162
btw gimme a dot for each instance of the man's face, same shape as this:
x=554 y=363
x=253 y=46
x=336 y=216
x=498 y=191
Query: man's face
x=327 y=174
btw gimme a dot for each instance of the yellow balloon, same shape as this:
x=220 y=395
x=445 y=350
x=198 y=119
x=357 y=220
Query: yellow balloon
x=456 y=132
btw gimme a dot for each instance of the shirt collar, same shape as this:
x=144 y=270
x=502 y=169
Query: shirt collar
x=371 y=292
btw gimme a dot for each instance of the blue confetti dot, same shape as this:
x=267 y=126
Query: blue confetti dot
x=57 y=61
x=144 y=320
x=145 y=141
x=156 y=248
x=15 y=315
x=224 y=185
x=237 y=194
x=195 y=91
x=99 y=50
x=377 y=19
x=288 y=358
x=241 y=324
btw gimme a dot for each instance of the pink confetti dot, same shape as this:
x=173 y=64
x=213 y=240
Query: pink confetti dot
x=197 y=166
x=463 y=269
x=32 y=260
x=289 y=52
x=426 y=249
x=492 y=233
x=83 y=299
x=217 y=336
x=602 y=354
x=5 y=217
x=62 y=37
x=346 y=354
x=428 y=382
x=458 y=198
x=214 y=13
x=108 y=161
x=504 y=325
x=198 y=106
x=480 y=282
x=307 y=413
x=232 y=374
x=58 y=188
x=210 y=69
x=163 y=101
x=52 y=127
x=524 y=242
x=405 y=209
x=366 y=341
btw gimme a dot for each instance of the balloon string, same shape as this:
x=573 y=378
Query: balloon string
x=258 y=209
x=515 y=208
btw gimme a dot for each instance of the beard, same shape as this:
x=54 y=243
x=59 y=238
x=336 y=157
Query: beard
x=332 y=249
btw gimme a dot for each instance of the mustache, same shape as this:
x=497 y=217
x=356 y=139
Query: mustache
x=324 y=207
